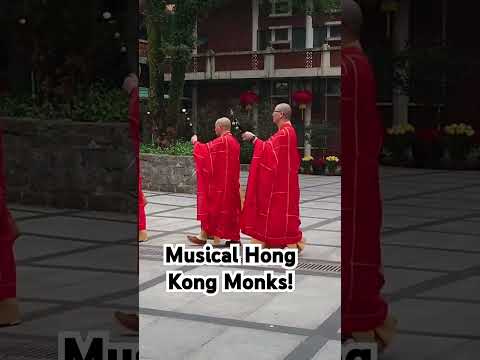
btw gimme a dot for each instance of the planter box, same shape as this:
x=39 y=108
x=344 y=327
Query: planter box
x=74 y=165
x=168 y=173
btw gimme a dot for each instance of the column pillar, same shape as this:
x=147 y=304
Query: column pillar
x=309 y=25
x=400 y=99
x=255 y=25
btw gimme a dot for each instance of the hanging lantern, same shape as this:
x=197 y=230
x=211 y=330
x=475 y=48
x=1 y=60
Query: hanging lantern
x=303 y=98
x=248 y=99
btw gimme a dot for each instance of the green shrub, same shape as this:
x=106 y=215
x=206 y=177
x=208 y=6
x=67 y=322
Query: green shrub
x=17 y=107
x=180 y=148
x=99 y=103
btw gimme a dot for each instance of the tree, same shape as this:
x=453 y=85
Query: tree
x=155 y=11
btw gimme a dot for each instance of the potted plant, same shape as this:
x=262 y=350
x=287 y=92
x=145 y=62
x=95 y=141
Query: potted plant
x=331 y=165
x=399 y=141
x=459 y=141
x=318 y=165
x=306 y=167
x=427 y=149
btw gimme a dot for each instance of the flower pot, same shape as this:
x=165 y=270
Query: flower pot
x=330 y=171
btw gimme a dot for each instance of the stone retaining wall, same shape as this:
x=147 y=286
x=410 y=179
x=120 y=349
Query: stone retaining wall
x=168 y=173
x=65 y=164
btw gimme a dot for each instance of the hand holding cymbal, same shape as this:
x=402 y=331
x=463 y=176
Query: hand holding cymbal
x=248 y=136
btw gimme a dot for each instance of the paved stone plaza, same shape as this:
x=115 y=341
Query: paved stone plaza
x=300 y=325
x=75 y=269
x=432 y=262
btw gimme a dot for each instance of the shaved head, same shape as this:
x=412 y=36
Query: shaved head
x=286 y=109
x=352 y=17
x=224 y=123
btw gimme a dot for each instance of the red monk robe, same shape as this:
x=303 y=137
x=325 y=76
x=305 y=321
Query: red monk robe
x=363 y=308
x=218 y=187
x=8 y=233
x=271 y=209
x=134 y=119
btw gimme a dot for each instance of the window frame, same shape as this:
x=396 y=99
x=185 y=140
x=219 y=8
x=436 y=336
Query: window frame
x=274 y=96
x=274 y=14
x=280 y=42
x=329 y=25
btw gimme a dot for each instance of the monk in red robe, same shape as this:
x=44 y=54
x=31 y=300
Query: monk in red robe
x=131 y=87
x=364 y=311
x=271 y=214
x=9 y=311
x=218 y=187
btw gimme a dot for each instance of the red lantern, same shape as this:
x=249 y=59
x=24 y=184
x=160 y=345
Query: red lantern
x=248 y=99
x=302 y=98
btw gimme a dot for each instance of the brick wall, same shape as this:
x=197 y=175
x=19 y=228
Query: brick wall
x=235 y=22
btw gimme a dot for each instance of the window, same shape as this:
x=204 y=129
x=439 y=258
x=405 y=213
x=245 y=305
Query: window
x=281 y=8
x=280 y=88
x=319 y=36
x=333 y=87
x=298 y=38
x=332 y=96
x=265 y=8
x=326 y=101
x=263 y=39
x=334 y=30
x=281 y=35
x=280 y=92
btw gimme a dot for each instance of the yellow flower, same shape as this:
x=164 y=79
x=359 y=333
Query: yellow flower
x=449 y=130
x=470 y=132
x=402 y=132
x=332 y=158
x=307 y=158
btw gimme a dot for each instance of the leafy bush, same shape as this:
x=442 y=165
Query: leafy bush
x=98 y=104
x=180 y=148
x=101 y=104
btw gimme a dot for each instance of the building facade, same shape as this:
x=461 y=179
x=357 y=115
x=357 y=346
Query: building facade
x=274 y=50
